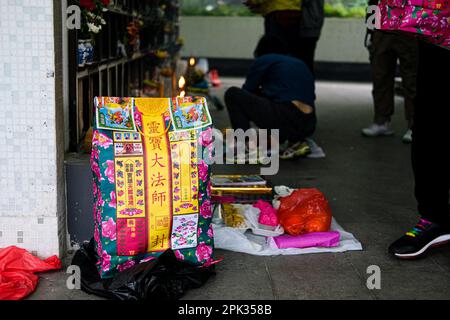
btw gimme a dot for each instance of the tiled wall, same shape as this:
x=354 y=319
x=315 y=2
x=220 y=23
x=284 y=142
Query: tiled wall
x=31 y=174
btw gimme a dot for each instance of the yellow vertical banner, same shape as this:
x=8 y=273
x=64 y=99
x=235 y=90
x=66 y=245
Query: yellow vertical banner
x=157 y=172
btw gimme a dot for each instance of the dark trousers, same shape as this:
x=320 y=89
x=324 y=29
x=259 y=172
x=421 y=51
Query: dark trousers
x=306 y=51
x=284 y=25
x=386 y=49
x=245 y=107
x=431 y=134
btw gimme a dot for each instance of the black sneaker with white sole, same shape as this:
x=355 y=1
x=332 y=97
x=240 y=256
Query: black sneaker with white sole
x=419 y=239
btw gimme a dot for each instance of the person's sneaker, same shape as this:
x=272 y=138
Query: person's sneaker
x=296 y=150
x=283 y=146
x=419 y=239
x=407 y=137
x=316 y=151
x=249 y=156
x=376 y=130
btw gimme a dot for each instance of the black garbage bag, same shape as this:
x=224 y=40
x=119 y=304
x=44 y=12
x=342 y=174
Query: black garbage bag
x=164 y=278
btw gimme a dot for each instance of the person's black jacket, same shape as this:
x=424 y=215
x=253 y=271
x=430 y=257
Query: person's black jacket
x=312 y=18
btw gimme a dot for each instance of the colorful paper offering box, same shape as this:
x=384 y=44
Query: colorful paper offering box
x=151 y=181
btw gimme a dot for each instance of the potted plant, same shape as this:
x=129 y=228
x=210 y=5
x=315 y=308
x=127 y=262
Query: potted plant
x=92 y=21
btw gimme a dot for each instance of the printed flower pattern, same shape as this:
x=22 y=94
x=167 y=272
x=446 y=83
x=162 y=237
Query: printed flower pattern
x=99 y=248
x=179 y=255
x=205 y=209
x=138 y=119
x=126 y=265
x=109 y=172
x=428 y=20
x=205 y=137
x=203 y=171
x=131 y=212
x=96 y=170
x=100 y=202
x=433 y=23
x=112 y=202
x=203 y=252
x=101 y=140
x=106 y=261
x=210 y=232
x=96 y=235
x=208 y=189
x=191 y=238
x=109 y=229
x=184 y=231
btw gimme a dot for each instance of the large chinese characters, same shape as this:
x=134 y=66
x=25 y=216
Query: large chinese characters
x=158 y=172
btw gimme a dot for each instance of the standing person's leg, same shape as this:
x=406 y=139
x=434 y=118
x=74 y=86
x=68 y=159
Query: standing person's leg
x=305 y=50
x=407 y=51
x=430 y=159
x=383 y=61
x=273 y=28
x=431 y=135
x=270 y=26
x=285 y=25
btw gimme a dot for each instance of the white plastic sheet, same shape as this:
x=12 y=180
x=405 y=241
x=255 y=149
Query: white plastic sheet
x=246 y=242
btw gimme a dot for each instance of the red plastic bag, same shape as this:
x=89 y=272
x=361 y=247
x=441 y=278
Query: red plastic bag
x=304 y=211
x=17 y=268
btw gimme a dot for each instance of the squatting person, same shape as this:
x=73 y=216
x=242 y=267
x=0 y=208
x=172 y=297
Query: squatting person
x=278 y=93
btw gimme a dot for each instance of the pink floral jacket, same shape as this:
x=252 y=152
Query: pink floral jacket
x=428 y=19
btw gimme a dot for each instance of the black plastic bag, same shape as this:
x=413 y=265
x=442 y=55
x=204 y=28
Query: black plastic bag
x=164 y=278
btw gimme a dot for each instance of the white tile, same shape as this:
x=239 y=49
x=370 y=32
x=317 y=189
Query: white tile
x=27 y=170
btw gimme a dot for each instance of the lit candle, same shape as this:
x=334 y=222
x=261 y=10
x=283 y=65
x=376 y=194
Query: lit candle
x=181 y=84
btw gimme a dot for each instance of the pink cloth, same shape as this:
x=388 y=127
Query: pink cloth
x=268 y=215
x=313 y=239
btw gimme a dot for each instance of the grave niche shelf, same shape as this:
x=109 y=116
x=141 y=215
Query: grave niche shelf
x=111 y=73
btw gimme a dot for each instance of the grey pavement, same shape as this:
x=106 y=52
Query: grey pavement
x=369 y=184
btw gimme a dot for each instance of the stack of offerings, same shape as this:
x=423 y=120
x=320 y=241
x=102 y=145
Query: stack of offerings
x=151 y=183
x=299 y=219
x=240 y=188
x=232 y=192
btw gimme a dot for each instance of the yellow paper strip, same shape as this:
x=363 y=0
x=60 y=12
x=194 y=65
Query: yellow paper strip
x=130 y=187
x=157 y=170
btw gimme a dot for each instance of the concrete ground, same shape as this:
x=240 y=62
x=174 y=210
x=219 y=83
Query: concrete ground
x=369 y=185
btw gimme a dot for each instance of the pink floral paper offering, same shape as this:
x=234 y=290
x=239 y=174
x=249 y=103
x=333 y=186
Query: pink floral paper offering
x=313 y=239
x=151 y=188
x=268 y=217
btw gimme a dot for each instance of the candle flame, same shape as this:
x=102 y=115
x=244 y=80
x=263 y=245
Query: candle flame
x=192 y=62
x=181 y=82
x=182 y=94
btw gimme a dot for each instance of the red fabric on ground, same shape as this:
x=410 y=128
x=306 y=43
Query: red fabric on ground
x=17 y=268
